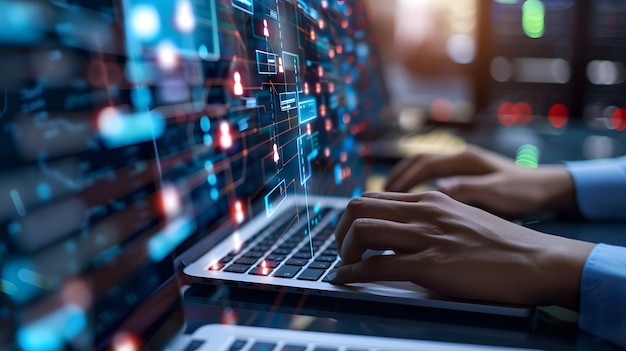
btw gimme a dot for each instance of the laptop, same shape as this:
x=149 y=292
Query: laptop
x=142 y=131
x=265 y=169
x=102 y=194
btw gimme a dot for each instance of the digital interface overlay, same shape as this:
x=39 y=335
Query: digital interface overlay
x=131 y=128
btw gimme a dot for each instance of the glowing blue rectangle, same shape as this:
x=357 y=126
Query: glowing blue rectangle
x=308 y=110
x=266 y=62
x=275 y=198
x=288 y=101
x=304 y=159
x=244 y=5
x=166 y=241
x=132 y=128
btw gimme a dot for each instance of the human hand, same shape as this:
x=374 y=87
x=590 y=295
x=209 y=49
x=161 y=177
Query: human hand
x=489 y=181
x=458 y=250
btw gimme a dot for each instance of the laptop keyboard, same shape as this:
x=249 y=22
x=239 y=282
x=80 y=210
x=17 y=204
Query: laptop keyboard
x=280 y=251
x=239 y=344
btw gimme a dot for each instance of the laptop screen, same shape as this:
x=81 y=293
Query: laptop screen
x=132 y=127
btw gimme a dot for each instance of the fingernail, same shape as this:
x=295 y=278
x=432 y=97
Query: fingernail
x=332 y=275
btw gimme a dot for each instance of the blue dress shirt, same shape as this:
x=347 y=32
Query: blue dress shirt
x=601 y=195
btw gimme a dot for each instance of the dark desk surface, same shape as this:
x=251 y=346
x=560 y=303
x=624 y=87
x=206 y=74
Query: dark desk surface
x=549 y=330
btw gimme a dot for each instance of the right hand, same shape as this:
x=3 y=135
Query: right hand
x=489 y=181
x=457 y=250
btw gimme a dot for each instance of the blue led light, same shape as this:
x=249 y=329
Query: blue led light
x=357 y=192
x=123 y=129
x=14 y=273
x=203 y=52
x=163 y=243
x=212 y=179
x=44 y=192
x=215 y=194
x=53 y=330
x=338 y=177
x=141 y=97
x=205 y=124
x=348 y=143
x=208 y=166
x=208 y=140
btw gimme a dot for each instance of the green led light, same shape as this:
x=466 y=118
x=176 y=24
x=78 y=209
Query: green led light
x=528 y=156
x=533 y=18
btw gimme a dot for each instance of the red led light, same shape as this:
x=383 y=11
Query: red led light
x=226 y=140
x=505 y=114
x=558 y=115
x=239 y=214
x=238 y=85
x=523 y=112
x=618 y=119
x=125 y=341
x=266 y=30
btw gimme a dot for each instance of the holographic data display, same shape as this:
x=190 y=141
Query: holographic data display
x=130 y=128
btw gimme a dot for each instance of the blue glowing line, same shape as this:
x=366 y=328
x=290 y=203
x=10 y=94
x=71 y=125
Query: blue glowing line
x=270 y=206
x=8 y=288
x=17 y=201
x=5 y=107
x=338 y=175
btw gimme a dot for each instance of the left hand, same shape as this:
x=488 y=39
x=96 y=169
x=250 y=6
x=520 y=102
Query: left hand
x=458 y=250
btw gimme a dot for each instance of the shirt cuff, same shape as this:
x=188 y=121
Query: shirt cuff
x=603 y=294
x=600 y=189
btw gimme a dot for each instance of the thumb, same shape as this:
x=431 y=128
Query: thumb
x=468 y=189
x=375 y=268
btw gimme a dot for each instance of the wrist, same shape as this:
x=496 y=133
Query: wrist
x=562 y=264
x=559 y=190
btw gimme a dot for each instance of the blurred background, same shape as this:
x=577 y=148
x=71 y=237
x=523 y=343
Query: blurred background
x=527 y=72
x=517 y=62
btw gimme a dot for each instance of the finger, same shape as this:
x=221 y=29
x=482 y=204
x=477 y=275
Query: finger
x=469 y=189
x=364 y=207
x=404 y=197
x=377 y=268
x=402 y=167
x=411 y=172
x=426 y=168
x=473 y=161
x=377 y=234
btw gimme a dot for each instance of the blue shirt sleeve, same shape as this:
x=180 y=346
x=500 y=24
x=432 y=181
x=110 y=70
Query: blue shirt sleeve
x=603 y=294
x=600 y=188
